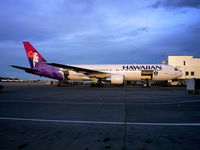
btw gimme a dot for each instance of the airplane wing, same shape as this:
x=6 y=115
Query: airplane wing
x=89 y=72
x=29 y=70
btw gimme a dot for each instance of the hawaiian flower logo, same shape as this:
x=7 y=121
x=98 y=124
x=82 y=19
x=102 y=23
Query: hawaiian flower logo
x=30 y=54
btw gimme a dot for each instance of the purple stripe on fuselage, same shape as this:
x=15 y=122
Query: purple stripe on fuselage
x=49 y=71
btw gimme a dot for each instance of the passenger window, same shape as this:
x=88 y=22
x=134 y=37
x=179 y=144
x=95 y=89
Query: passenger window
x=186 y=73
x=192 y=73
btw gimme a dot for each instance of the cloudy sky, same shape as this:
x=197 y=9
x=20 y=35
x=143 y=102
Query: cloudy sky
x=97 y=31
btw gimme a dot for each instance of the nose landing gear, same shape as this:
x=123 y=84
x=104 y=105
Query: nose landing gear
x=147 y=83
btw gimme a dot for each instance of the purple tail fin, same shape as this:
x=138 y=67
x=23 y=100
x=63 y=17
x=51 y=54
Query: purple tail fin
x=34 y=57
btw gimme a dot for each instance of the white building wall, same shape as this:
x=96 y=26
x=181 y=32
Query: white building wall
x=187 y=64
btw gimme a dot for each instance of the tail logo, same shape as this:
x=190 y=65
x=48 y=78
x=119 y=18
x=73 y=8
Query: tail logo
x=30 y=54
x=33 y=56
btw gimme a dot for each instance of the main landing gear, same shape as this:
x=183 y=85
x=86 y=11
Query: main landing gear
x=64 y=83
x=98 y=84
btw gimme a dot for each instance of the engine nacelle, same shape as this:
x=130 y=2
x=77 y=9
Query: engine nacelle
x=117 y=79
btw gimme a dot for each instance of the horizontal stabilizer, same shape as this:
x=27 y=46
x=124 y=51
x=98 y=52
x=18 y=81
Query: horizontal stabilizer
x=29 y=70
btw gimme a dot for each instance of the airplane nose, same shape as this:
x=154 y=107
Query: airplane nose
x=180 y=74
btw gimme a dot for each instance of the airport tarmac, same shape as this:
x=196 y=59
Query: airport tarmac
x=35 y=116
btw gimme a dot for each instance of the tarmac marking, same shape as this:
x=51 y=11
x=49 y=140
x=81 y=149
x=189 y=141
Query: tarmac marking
x=78 y=103
x=102 y=122
x=181 y=102
x=49 y=102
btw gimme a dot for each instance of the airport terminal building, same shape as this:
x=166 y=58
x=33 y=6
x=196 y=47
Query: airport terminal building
x=187 y=64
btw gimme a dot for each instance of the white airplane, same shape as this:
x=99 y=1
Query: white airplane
x=114 y=73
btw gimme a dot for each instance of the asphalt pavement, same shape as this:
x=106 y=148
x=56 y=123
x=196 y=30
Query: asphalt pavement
x=37 y=116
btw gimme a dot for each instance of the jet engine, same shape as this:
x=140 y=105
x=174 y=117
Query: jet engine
x=117 y=79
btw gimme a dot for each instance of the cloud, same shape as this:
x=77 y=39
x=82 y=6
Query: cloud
x=66 y=19
x=129 y=35
x=174 y=4
x=137 y=31
x=44 y=20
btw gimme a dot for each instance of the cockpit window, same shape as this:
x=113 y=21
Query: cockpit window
x=176 y=69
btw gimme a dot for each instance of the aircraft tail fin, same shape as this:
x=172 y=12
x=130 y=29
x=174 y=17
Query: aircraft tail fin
x=34 y=57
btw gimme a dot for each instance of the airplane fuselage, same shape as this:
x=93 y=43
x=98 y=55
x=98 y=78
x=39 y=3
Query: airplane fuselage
x=131 y=72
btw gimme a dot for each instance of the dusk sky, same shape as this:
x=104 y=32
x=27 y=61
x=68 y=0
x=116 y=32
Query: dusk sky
x=97 y=31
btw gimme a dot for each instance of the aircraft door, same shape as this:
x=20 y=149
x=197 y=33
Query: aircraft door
x=146 y=74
